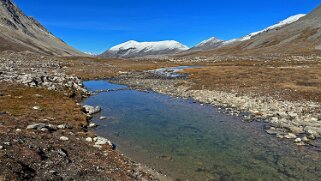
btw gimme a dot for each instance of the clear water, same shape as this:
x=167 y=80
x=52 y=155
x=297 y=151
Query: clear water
x=99 y=85
x=189 y=141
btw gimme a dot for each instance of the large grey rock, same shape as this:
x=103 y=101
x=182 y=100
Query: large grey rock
x=91 y=109
x=102 y=141
x=37 y=126
x=42 y=127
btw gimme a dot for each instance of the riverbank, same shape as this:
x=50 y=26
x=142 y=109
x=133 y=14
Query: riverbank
x=299 y=121
x=44 y=130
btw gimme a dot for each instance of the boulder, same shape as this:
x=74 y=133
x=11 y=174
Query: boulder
x=37 y=126
x=102 y=141
x=312 y=132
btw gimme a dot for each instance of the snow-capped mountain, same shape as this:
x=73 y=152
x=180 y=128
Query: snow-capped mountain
x=213 y=42
x=287 y=21
x=133 y=48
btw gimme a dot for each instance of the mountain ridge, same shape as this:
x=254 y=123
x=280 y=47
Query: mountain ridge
x=132 y=48
x=214 y=42
x=20 y=32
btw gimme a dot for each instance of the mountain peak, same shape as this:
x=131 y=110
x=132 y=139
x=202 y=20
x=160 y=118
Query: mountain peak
x=138 y=49
x=210 y=43
x=212 y=40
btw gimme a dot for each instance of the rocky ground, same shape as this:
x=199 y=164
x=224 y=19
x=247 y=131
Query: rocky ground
x=36 y=71
x=45 y=134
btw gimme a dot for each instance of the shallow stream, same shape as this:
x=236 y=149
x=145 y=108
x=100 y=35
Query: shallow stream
x=191 y=141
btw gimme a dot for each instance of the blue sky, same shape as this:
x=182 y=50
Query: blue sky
x=96 y=25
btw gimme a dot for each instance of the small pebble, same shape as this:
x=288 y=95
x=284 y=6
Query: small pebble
x=64 y=138
x=63 y=126
x=305 y=139
x=290 y=136
x=36 y=108
x=300 y=143
x=298 y=140
x=89 y=139
x=62 y=152
x=92 y=125
x=97 y=146
x=52 y=171
x=1 y=147
x=18 y=130
x=103 y=117
x=44 y=129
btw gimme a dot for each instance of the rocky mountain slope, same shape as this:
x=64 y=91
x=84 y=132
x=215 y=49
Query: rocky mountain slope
x=299 y=34
x=19 y=32
x=133 y=48
x=303 y=35
x=213 y=42
x=275 y=27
